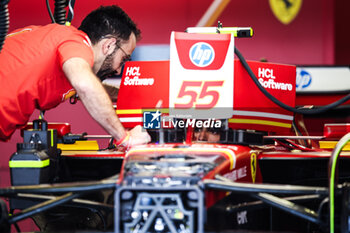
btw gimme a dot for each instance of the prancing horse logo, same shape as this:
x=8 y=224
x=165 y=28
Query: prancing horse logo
x=285 y=10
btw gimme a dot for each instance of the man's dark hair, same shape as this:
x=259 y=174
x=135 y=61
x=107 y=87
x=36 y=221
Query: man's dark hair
x=109 y=20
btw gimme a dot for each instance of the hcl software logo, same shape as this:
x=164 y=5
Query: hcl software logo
x=202 y=54
x=151 y=120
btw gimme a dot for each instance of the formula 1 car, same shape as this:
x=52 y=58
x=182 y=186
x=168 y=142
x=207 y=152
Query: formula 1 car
x=227 y=154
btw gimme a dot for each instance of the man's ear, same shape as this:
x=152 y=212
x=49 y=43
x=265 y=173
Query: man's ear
x=108 y=46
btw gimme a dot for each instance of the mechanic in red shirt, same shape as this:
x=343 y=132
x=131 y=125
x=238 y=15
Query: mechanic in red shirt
x=41 y=66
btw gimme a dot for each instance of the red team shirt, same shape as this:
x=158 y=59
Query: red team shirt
x=31 y=75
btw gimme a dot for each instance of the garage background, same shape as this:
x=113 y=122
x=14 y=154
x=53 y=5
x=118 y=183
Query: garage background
x=319 y=35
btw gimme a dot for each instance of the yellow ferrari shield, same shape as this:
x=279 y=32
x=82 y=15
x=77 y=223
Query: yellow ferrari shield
x=253 y=165
x=285 y=10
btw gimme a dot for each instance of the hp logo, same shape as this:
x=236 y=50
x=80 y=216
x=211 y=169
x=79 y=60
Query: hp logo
x=202 y=54
x=303 y=79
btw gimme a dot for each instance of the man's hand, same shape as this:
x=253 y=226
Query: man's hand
x=138 y=137
x=134 y=137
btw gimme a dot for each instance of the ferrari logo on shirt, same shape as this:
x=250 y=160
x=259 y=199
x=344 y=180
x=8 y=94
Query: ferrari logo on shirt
x=285 y=10
x=68 y=94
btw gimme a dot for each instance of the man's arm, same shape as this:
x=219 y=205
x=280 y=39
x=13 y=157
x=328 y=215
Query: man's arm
x=96 y=100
